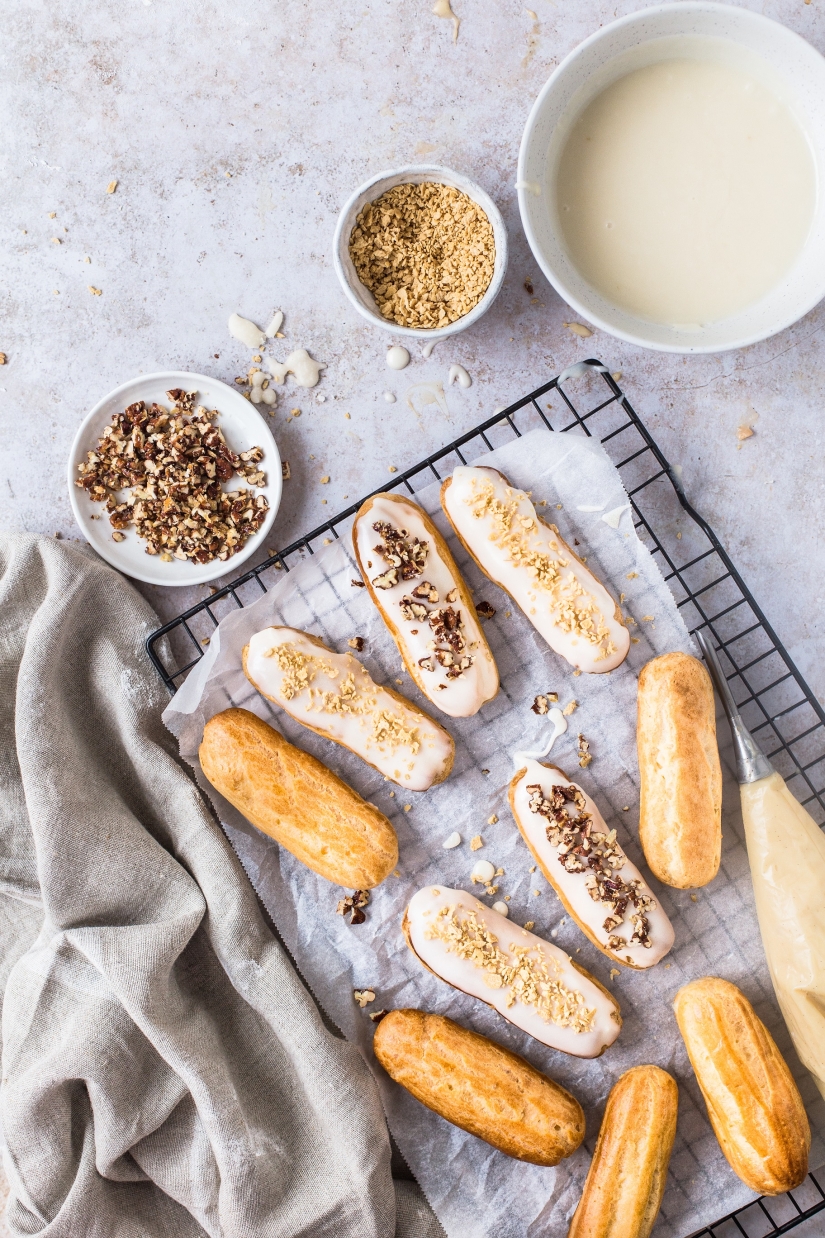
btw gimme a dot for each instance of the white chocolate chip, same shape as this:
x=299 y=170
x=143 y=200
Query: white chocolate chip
x=483 y=871
x=454 y=840
x=501 y=908
x=245 y=331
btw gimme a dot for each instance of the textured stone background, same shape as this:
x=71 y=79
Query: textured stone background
x=235 y=133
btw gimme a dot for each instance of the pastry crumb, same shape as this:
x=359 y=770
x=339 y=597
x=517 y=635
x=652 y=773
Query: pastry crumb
x=631 y=575
x=614 y=971
x=492 y=820
x=745 y=432
x=476 y=842
x=570 y=707
x=528 y=924
x=111 y=187
x=578 y=328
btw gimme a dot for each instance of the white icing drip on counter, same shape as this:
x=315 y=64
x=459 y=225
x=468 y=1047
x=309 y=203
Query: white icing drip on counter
x=334 y=694
x=559 y=727
x=572 y=886
x=430 y=911
x=457 y=697
x=561 y=597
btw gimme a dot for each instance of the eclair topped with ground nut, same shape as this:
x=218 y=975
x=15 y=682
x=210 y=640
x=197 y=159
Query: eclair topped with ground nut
x=421 y=596
x=561 y=597
x=529 y=981
x=335 y=696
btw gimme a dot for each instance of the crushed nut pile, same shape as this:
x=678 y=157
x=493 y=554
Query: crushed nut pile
x=529 y=975
x=580 y=848
x=425 y=252
x=172 y=462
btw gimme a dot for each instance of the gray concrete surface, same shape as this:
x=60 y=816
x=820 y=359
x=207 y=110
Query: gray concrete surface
x=235 y=133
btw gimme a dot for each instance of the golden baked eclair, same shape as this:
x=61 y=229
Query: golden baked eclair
x=753 y=1103
x=680 y=814
x=568 y=606
x=335 y=696
x=626 y=1180
x=295 y=799
x=480 y=1086
x=420 y=594
x=600 y=888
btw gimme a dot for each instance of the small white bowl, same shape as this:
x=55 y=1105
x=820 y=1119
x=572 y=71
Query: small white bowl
x=796 y=72
x=242 y=426
x=415 y=174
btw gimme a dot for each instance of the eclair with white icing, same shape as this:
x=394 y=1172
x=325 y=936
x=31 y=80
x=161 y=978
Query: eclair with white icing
x=527 y=557
x=530 y=982
x=335 y=696
x=413 y=580
x=600 y=888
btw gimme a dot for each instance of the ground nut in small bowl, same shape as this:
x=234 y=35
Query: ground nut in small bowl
x=429 y=259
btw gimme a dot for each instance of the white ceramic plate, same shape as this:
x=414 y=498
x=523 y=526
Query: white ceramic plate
x=414 y=174
x=792 y=68
x=243 y=427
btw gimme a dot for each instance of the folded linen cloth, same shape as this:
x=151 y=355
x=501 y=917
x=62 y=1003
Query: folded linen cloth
x=165 y=1071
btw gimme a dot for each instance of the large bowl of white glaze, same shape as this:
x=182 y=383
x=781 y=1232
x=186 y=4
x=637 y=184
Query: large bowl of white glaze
x=795 y=72
x=362 y=299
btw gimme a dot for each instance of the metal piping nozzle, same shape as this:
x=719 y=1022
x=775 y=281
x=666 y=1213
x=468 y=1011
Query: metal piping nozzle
x=751 y=764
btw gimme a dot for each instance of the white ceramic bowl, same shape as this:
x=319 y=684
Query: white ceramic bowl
x=792 y=68
x=415 y=174
x=243 y=427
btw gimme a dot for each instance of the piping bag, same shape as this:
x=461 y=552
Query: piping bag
x=786 y=850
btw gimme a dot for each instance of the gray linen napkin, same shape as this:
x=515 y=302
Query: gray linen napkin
x=165 y=1072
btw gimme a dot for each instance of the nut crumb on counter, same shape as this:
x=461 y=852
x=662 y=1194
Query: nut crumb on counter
x=353 y=906
x=363 y=997
x=570 y=707
x=484 y=610
x=356 y=643
x=542 y=702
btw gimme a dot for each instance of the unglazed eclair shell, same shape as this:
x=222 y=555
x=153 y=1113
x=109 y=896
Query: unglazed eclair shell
x=458 y=697
x=680 y=814
x=296 y=800
x=627 y=1176
x=515 y=547
x=753 y=1103
x=571 y=887
x=377 y=723
x=589 y=1019
x=480 y=1086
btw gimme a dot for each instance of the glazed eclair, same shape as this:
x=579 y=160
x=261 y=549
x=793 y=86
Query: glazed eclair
x=600 y=887
x=335 y=696
x=558 y=593
x=530 y=982
x=413 y=580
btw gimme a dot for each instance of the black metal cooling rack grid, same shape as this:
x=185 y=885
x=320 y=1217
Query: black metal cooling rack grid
x=776 y=704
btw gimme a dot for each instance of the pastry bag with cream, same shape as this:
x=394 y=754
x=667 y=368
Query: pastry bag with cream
x=786 y=850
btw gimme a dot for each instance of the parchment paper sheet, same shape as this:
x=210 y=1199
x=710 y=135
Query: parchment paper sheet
x=476 y=1191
